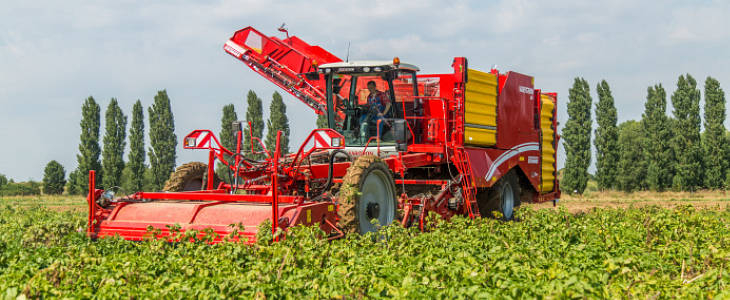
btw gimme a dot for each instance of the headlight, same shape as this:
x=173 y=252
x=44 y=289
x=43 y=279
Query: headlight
x=378 y=69
x=336 y=142
x=366 y=69
x=190 y=142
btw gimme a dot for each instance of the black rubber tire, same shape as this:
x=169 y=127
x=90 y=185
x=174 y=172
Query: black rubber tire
x=351 y=199
x=497 y=198
x=191 y=176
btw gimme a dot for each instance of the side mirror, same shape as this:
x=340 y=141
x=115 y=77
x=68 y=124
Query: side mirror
x=401 y=135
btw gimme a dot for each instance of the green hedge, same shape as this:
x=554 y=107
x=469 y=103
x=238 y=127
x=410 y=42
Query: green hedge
x=21 y=188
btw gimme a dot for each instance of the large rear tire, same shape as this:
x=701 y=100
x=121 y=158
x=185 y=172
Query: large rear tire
x=503 y=197
x=367 y=193
x=191 y=176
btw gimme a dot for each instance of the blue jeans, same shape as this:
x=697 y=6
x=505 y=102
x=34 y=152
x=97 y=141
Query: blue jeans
x=370 y=118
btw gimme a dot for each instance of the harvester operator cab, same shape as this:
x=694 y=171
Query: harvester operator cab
x=371 y=95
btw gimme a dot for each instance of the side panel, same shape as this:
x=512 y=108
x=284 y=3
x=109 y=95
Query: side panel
x=516 y=111
x=547 y=180
x=489 y=165
x=480 y=112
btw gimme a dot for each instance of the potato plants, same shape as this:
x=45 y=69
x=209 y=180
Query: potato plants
x=647 y=252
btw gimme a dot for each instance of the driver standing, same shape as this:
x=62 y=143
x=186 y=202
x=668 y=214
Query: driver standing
x=379 y=105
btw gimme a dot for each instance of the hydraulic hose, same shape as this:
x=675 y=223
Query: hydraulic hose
x=330 y=173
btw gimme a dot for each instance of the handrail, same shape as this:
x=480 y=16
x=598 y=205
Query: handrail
x=297 y=160
x=428 y=98
x=275 y=188
x=250 y=133
x=376 y=137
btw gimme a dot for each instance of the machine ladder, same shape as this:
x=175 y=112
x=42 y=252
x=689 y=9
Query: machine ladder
x=468 y=189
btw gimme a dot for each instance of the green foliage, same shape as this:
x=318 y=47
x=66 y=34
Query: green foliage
x=606 y=138
x=114 y=142
x=603 y=254
x=577 y=138
x=255 y=116
x=54 y=178
x=714 y=141
x=657 y=153
x=3 y=180
x=630 y=166
x=322 y=121
x=71 y=187
x=162 y=139
x=727 y=158
x=135 y=164
x=20 y=188
x=686 y=135
x=228 y=139
x=89 y=150
x=277 y=121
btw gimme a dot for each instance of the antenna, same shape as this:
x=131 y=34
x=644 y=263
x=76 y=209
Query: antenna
x=347 y=58
x=283 y=29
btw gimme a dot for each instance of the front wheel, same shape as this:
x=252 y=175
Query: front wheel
x=367 y=195
x=191 y=176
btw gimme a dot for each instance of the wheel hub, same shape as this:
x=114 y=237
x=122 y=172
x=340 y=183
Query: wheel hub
x=373 y=210
x=376 y=202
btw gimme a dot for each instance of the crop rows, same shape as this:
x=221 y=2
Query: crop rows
x=616 y=253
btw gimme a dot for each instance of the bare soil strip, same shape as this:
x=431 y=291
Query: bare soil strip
x=719 y=200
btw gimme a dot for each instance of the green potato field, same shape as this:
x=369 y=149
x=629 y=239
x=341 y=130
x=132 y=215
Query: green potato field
x=635 y=252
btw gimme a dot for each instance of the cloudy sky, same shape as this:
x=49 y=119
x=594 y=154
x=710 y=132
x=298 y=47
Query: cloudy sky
x=54 y=54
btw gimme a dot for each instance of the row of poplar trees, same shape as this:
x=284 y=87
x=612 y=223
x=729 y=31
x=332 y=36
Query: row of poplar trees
x=134 y=174
x=112 y=170
x=277 y=121
x=655 y=153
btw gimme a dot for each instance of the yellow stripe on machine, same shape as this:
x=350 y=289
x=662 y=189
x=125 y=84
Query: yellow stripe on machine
x=480 y=113
x=547 y=181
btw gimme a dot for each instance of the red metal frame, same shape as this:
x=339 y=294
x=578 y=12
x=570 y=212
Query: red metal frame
x=279 y=187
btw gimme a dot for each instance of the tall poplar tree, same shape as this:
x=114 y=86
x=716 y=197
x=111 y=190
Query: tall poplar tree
x=114 y=142
x=322 y=121
x=89 y=150
x=136 y=157
x=3 y=180
x=657 y=157
x=71 y=184
x=162 y=139
x=727 y=159
x=630 y=166
x=54 y=178
x=714 y=142
x=228 y=139
x=277 y=121
x=606 y=138
x=577 y=138
x=686 y=135
x=254 y=115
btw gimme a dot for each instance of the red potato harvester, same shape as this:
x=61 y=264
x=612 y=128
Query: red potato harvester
x=398 y=145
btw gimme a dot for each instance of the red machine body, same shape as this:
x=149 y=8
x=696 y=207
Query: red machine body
x=466 y=135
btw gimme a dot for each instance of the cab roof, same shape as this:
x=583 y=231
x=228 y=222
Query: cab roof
x=357 y=66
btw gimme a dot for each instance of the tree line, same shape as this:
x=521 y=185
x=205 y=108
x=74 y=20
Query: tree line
x=136 y=174
x=658 y=152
